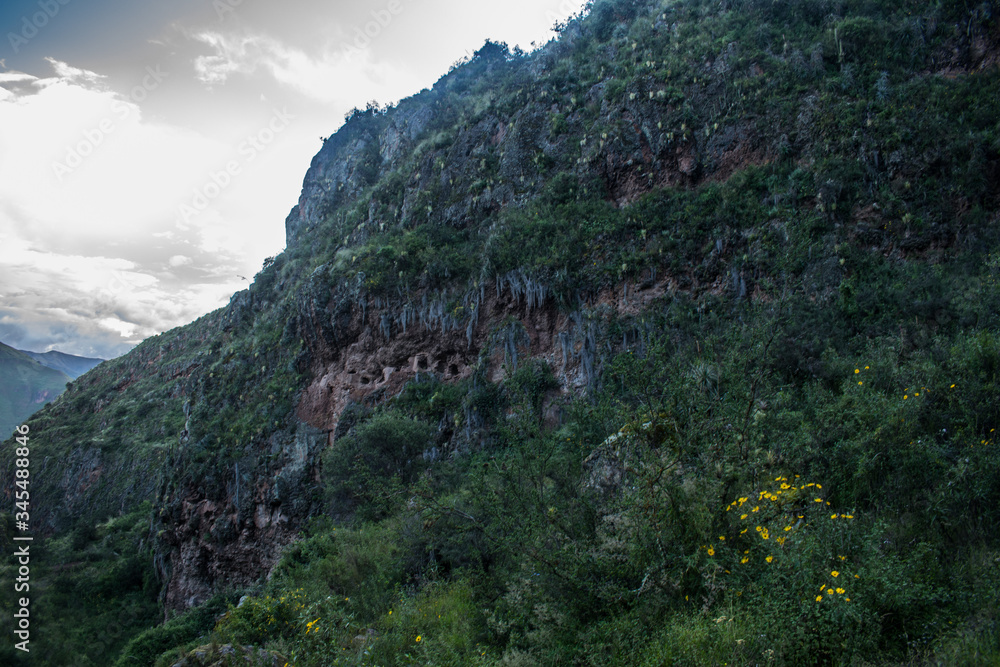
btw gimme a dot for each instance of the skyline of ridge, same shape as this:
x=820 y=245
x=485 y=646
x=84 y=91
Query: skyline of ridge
x=149 y=155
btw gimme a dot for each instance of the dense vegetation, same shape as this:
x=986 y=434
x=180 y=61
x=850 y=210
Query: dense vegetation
x=789 y=457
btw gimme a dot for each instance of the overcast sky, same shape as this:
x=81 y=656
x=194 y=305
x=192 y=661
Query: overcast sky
x=150 y=150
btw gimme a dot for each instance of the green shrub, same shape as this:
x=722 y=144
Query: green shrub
x=363 y=567
x=371 y=467
x=258 y=620
x=147 y=646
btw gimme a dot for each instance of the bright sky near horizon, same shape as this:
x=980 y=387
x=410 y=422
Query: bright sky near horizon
x=150 y=151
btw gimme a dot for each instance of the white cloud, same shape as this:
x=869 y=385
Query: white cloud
x=88 y=166
x=124 y=329
x=232 y=55
x=65 y=72
x=110 y=302
x=89 y=190
x=16 y=77
x=338 y=75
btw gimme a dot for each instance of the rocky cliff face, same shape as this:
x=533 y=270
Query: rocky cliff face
x=480 y=162
x=232 y=540
x=371 y=362
x=432 y=143
x=220 y=424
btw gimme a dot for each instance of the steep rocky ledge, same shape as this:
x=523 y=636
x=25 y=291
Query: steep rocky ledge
x=236 y=539
x=438 y=147
x=372 y=361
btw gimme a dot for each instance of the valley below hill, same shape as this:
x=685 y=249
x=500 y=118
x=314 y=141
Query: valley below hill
x=30 y=380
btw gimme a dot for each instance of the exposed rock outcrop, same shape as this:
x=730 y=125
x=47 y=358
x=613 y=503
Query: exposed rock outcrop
x=236 y=539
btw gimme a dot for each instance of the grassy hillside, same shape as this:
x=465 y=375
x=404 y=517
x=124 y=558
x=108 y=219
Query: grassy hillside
x=696 y=315
x=26 y=386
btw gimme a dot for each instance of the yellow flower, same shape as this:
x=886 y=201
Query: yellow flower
x=840 y=591
x=819 y=598
x=857 y=370
x=819 y=500
x=829 y=591
x=744 y=516
x=744 y=559
x=835 y=574
x=787 y=528
x=833 y=516
x=769 y=559
x=711 y=551
x=419 y=638
x=722 y=538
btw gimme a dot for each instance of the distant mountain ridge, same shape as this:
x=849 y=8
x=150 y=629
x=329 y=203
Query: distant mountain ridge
x=25 y=386
x=70 y=364
x=30 y=380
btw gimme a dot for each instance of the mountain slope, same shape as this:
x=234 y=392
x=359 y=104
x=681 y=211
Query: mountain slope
x=606 y=354
x=71 y=365
x=27 y=385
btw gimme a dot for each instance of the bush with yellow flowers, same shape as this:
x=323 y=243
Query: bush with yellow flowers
x=327 y=633
x=259 y=619
x=787 y=552
x=438 y=626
